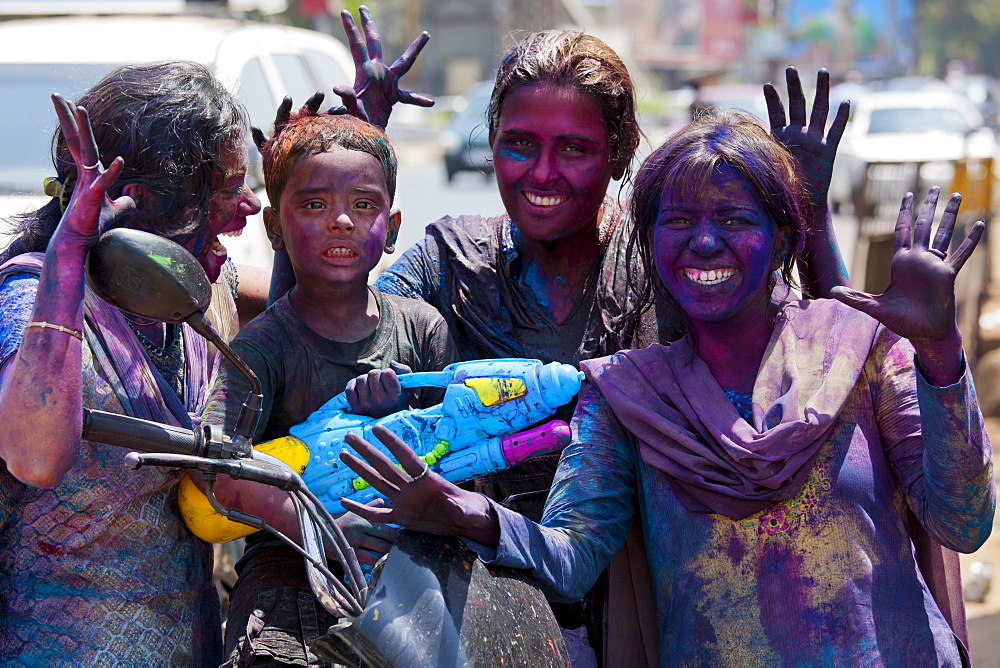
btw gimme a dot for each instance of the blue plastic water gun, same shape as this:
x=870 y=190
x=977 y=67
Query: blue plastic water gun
x=481 y=426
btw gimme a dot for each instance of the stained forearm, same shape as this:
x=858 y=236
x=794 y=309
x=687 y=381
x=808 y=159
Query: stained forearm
x=822 y=266
x=41 y=386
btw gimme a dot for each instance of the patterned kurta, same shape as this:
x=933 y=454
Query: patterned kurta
x=825 y=578
x=100 y=569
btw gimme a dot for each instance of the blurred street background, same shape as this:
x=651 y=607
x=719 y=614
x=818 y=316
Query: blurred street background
x=921 y=76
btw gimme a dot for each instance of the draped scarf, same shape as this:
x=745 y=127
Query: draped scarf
x=122 y=362
x=687 y=428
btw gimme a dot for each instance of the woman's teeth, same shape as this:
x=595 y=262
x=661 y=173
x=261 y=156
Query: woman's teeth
x=234 y=233
x=539 y=200
x=218 y=248
x=710 y=277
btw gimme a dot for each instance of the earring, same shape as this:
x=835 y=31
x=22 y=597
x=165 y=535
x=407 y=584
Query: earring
x=390 y=248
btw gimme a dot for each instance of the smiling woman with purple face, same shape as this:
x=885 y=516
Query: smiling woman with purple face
x=799 y=469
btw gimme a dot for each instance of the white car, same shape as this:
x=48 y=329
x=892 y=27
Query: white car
x=259 y=62
x=935 y=127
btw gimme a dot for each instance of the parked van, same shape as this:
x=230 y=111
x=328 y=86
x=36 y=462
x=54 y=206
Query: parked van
x=260 y=62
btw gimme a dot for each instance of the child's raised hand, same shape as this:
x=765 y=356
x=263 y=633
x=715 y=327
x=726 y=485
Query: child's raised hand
x=378 y=392
x=81 y=222
x=919 y=302
x=284 y=113
x=419 y=499
x=814 y=153
x=376 y=86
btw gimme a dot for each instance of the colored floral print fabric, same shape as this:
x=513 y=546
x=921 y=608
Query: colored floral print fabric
x=99 y=570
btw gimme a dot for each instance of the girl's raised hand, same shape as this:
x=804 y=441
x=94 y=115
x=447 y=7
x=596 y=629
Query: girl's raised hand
x=419 y=499
x=919 y=302
x=814 y=152
x=89 y=206
x=376 y=86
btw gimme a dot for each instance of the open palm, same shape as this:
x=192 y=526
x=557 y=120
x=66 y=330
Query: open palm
x=919 y=302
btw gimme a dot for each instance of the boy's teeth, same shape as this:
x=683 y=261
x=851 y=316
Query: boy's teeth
x=234 y=233
x=710 y=277
x=340 y=251
x=545 y=201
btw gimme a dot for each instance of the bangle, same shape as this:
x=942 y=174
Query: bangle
x=48 y=325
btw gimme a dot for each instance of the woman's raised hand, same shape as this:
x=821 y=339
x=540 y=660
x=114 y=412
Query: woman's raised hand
x=376 y=86
x=89 y=208
x=807 y=143
x=419 y=499
x=919 y=302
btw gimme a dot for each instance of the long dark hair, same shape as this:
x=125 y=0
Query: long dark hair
x=686 y=161
x=171 y=122
x=582 y=62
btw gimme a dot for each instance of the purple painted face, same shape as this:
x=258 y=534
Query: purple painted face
x=715 y=249
x=335 y=216
x=552 y=158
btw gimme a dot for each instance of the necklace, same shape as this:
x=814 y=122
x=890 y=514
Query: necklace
x=163 y=354
x=139 y=322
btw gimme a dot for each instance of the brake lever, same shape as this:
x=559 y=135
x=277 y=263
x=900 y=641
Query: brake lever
x=256 y=470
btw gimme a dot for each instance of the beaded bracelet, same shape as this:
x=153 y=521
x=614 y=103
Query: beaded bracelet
x=48 y=325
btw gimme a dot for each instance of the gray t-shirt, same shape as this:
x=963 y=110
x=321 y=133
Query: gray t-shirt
x=299 y=370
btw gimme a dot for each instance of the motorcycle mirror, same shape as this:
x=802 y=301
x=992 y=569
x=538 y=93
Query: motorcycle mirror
x=147 y=275
x=157 y=278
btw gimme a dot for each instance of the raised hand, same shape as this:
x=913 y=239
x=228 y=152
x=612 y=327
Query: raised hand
x=81 y=223
x=284 y=113
x=806 y=142
x=376 y=86
x=378 y=393
x=919 y=302
x=419 y=499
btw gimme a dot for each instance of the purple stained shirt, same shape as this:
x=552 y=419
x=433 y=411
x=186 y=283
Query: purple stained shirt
x=100 y=569
x=825 y=578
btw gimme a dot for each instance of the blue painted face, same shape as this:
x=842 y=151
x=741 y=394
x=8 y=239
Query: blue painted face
x=715 y=247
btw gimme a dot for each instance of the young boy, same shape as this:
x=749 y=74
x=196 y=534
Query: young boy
x=331 y=182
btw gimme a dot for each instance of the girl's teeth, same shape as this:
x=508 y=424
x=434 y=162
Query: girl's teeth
x=710 y=277
x=545 y=201
x=340 y=252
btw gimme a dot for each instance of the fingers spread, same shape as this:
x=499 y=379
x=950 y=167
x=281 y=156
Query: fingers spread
x=407 y=458
x=775 y=109
x=821 y=104
x=312 y=104
x=904 y=223
x=405 y=61
x=354 y=40
x=796 y=98
x=367 y=512
x=925 y=219
x=407 y=97
x=958 y=258
x=839 y=124
x=371 y=33
x=946 y=228
x=861 y=301
x=377 y=469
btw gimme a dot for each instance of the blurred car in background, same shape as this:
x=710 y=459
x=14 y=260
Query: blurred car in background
x=934 y=127
x=259 y=62
x=465 y=139
x=731 y=97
